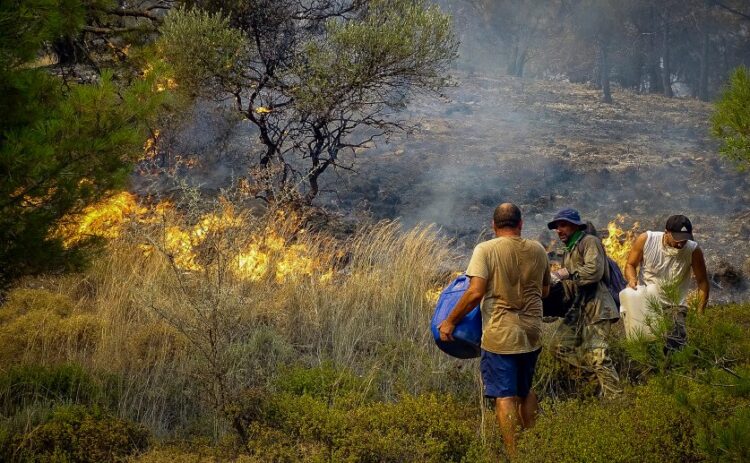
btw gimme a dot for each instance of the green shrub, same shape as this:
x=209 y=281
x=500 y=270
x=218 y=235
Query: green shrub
x=78 y=434
x=321 y=382
x=21 y=386
x=645 y=425
x=728 y=441
x=324 y=414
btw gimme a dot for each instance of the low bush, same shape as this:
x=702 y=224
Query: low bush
x=644 y=425
x=325 y=414
x=40 y=325
x=79 y=434
x=22 y=386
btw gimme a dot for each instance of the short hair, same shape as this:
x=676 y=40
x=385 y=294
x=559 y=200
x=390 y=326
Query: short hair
x=507 y=215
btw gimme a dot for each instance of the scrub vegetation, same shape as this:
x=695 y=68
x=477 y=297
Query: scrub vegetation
x=138 y=359
x=242 y=321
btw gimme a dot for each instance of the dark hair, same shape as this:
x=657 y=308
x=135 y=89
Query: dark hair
x=507 y=215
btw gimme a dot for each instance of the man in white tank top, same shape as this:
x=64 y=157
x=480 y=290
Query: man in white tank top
x=667 y=259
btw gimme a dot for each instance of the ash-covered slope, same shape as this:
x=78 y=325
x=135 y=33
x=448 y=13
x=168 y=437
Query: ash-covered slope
x=549 y=144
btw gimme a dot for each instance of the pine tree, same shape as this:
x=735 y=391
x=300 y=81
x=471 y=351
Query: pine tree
x=63 y=144
x=731 y=120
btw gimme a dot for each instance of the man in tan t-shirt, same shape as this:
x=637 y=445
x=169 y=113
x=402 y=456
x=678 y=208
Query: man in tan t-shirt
x=510 y=276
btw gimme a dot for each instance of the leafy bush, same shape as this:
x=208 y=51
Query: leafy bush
x=323 y=414
x=322 y=382
x=645 y=426
x=79 y=434
x=22 y=386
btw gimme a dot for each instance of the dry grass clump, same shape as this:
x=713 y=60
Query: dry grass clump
x=37 y=324
x=258 y=294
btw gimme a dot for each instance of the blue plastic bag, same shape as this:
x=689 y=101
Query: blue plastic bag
x=468 y=333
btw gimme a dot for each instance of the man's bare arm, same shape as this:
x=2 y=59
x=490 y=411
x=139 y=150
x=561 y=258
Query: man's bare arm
x=701 y=278
x=469 y=300
x=634 y=260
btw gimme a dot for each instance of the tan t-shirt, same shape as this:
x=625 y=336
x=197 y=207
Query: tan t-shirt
x=516 y=269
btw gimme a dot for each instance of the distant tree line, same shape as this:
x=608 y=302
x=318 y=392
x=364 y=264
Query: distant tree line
x=645 y=45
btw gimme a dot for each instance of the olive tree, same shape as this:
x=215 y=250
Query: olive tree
x=315 y=77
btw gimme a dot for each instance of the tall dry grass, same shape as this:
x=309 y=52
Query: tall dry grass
x=182 y=347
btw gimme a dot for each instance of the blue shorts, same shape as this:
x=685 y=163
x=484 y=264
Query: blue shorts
x=508 y=375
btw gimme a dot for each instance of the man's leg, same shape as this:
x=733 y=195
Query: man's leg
x=567 y=338
x=529 y=408
x=500 y=377
x=508 y=417
x=597 y=353
x=528 y=404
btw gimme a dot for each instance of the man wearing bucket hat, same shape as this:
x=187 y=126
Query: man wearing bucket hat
x=666 y=260
x=582 y=338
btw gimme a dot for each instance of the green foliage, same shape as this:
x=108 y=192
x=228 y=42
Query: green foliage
x=202 y=49
x=28 y=24
x=729 y=441
x=22 y=386
x=79 y=434
x=397 y=43
x=731 y=120
x=323 y=382
x=321 y=414
x=63 y=144
x=647 y=426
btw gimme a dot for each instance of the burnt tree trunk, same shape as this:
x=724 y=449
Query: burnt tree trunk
x=604 y=70
x=667 y=70
x=703 y=80
x=654 y=79
x=520 y=63
x=511 y=68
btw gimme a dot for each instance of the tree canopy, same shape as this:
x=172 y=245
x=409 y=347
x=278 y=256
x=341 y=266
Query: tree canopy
x=314 y=78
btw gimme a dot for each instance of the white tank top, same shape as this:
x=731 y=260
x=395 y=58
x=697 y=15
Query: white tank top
x=662 y=264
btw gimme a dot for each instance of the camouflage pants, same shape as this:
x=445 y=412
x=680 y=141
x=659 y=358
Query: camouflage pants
x=585 y=346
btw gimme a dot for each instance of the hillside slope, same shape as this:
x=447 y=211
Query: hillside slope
x=551 y=144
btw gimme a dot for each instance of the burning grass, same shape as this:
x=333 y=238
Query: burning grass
x=190 y=308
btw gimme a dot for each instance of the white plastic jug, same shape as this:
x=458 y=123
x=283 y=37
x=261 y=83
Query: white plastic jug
x=635 y=310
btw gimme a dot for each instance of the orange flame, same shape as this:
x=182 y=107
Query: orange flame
x=104 y=219
x=619 y=242
x=265 y=255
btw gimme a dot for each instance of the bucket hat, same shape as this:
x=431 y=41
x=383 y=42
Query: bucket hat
x=567 y=215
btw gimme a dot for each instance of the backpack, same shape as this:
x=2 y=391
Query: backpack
x=616 y=281
x=468 y=333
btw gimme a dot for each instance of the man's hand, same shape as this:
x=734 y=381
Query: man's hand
x=446 y=330
x=561 y=274
x=633 y=284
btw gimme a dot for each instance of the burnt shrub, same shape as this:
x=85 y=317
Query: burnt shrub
x=76 y=433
